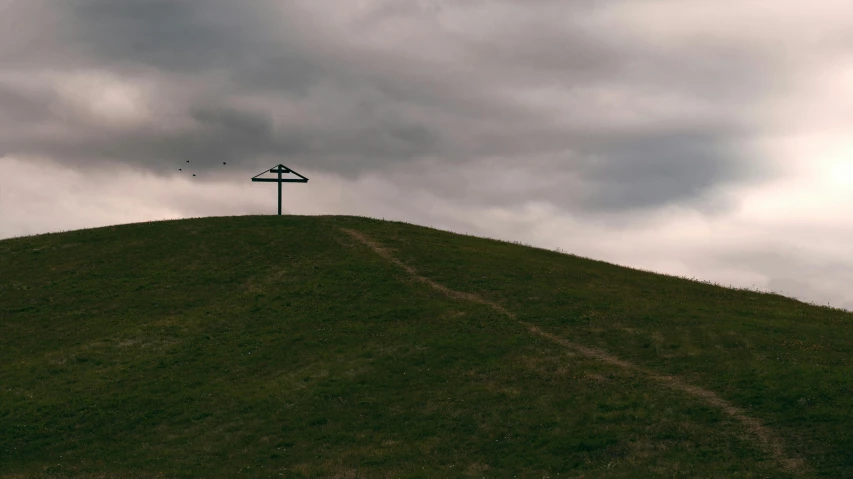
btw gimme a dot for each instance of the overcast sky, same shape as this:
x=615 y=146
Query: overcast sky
x=692 y=137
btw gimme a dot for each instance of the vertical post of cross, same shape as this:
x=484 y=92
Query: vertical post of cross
x=279 y=191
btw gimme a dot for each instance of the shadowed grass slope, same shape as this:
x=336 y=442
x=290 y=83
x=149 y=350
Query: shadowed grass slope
x=282 y=347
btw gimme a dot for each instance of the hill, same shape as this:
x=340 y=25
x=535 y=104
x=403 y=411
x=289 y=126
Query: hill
x=263 y=346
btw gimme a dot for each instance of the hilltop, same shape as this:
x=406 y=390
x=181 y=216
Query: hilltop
x=264 y=346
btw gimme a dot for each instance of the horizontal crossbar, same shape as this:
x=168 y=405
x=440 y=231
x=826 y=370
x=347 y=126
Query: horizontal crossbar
x=273 y=180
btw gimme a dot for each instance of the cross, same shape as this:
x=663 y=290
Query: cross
x=281 y=169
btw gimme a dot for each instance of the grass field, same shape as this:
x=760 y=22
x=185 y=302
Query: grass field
x=264 y=346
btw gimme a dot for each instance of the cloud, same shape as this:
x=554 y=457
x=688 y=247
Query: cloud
x=352 y=89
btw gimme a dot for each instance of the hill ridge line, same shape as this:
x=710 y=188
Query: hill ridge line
x=766 y=437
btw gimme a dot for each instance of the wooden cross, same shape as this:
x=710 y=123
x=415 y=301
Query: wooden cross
x=281 y=169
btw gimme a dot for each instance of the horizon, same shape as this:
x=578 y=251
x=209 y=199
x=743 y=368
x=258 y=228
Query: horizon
x=682 y=137
x=558 y=250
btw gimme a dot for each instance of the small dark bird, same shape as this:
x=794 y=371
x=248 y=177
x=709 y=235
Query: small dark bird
x=188 y=161
x=223 y=162
x=180 y=169
x=193 y=174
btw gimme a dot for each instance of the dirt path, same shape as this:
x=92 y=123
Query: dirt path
x=768 y=440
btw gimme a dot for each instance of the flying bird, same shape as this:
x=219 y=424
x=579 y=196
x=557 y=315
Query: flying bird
x=180 y=169
x=223 y=162
x=193 y=174
x=188 y=161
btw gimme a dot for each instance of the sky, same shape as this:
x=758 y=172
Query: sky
x=686 y=137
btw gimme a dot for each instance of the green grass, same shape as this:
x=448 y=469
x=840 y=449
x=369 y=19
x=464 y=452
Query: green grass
x=263 y=346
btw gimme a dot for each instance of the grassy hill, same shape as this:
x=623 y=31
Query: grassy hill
x=263 y=346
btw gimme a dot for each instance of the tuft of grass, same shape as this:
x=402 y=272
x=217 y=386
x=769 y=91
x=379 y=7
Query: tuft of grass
x=265 y=346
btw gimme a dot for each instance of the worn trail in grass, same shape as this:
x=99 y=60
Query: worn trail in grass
x=767 y=438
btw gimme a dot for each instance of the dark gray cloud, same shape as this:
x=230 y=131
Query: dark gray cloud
x=662 y=168
x=263 y=81
x=23 y=107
